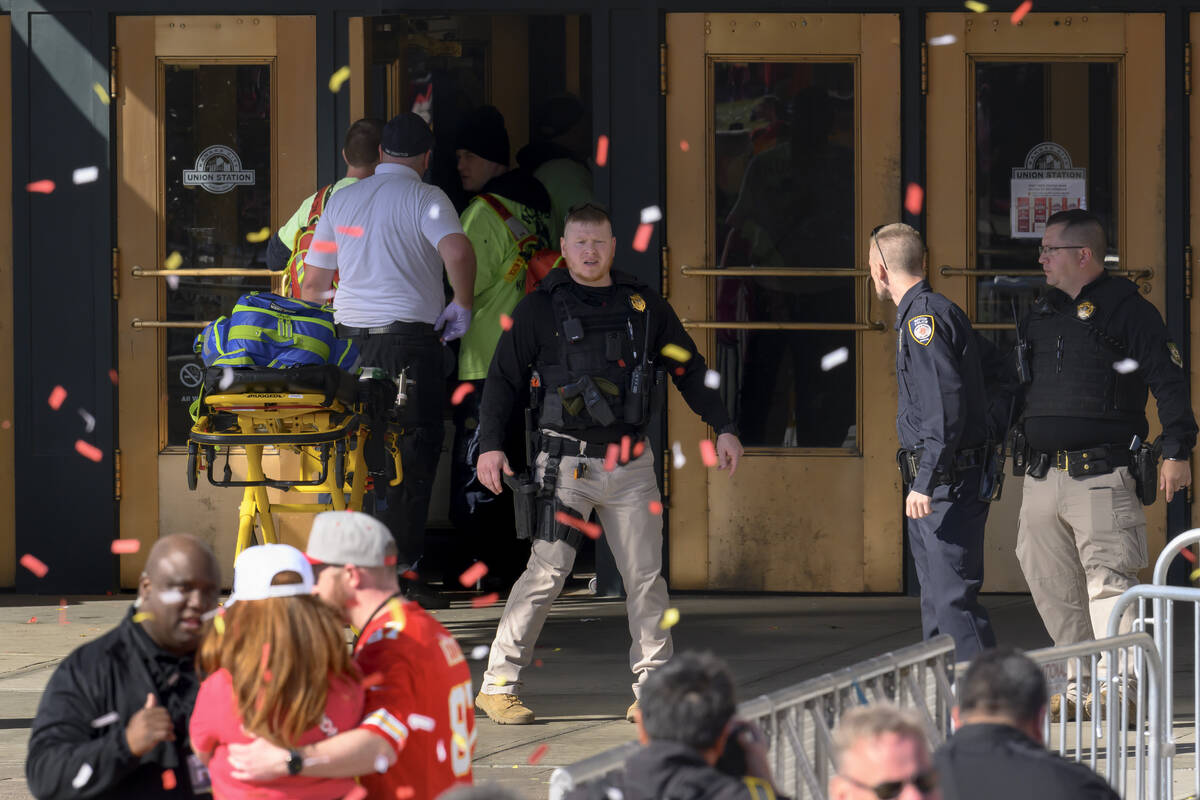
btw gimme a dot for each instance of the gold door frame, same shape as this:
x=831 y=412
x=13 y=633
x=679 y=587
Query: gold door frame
x=8 y=522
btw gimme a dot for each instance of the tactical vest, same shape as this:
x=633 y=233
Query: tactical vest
x=602 y=376
x=1072 y=358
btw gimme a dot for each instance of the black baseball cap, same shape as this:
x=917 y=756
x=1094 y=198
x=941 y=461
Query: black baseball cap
x=406 y=135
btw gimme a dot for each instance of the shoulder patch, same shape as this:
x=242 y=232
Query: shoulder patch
x=1085 y=309
x=921 y=329
x=638 y=303
x=1176 y=358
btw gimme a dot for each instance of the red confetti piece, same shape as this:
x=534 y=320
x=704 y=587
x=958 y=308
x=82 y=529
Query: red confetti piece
x=590 y=529
x=266 y=655
x=31 y=621
x=374 y=679
x=602 y=151
x=357 y=793
x=914 y=198
x=88 y=451
x=655 y=507
x=537 y=662
x=34 y=565
x=1188 y=554
x=505 y=322
x=1021 y=11
x=539 y=753
x=461 y=393
x=473 y=573
x=684 y=146
x=626 y=442
x=266 y=676
x=124 y=547
x=390 y=561
x=641 y=239
x=638 y=449
x=40 y=187
x=350 y=230
x=57 y=395
x=320 y=246
x=405 y=792
x=112 y=376
x=679 y=370
x=708 y=453
x=610 y=456
x=168 y=779
x=409 y=575
x=6 y=424
x=485 y=601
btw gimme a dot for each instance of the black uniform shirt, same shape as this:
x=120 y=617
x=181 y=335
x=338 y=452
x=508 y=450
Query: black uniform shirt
x=985 y=761
x=1137 y=324
x=943 y=403
x=534 y=337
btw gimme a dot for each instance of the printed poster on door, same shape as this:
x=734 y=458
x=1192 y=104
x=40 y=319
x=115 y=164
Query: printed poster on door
x=1045 y=185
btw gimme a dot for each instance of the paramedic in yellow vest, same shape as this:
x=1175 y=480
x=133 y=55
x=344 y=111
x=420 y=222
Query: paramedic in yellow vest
x=482 y=148
x=360 y=151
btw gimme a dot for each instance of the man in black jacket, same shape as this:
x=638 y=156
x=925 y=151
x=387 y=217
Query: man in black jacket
x=113 y=721
x=686 y=725
x=998 y=750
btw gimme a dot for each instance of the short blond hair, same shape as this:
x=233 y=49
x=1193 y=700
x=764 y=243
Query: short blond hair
x=902 y=248
x=871 y=722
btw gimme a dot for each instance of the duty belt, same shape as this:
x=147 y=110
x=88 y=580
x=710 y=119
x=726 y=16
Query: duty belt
x=909 y=462
x=346 y=331
x=1099 y=460
x=963 y=459
x=558 y=446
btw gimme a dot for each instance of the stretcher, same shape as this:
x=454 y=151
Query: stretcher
x=321 y=413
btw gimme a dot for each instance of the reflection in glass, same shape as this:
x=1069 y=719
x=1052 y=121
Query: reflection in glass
x=217 y=146
x=1018 y=106
x=784 y=197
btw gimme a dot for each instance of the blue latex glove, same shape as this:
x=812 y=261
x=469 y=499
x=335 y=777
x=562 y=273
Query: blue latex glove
x=455 y=319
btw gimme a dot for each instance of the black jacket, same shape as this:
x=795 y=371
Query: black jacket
x=112 y=674
x=998 y=762
x=672 y=771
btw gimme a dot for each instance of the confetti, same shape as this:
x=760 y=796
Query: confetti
x=655 y=507
x=712 y=379
x=82 y=777
x=625 y=447
x=170 y=596
x=485 y=601
x=461 y=393
x=610 y=456
x=834 y=359
x=1195 y=574
x=89 y=422
x=34 y=565
x=259 y=235
x=939 y=41
x=1188 y=554
x=914 y=198
x=435 y=212
x=1021 y=11
x=441 y=751
x=141 y=616
x=40 y=187
x=670 y=619
x=381 y=764
x=168 y=779
x=31 y=621
x=638 y=449
x=321 y=246
x=976 y=6
x=537 y=662
x=601 y=150
x=479 y=652
x=85 y=175
x=374 y=679
x=88 y=451
x=591 y=529
x=505 y=322
x=473 y=573
x=677 y=452
x=6 y=424
x=266 y=656
x=420 y=722
x=613 y=793
x=125 y=546
x=350 y=230
x=539 y=753
x=107 y=719
x=102 y=93
x=651 y=215
x=409 y=575
x=226 y=379
x=338 y=78
x=641 y=239
x=219 y=625
x=684 y=146
x=1125 y=366
x=357 y=793
x=460 y=741
x=57 y=395
x=112 y=376
x=676 y=353
x=173 y=261
x=708 y=453
x=405 y=792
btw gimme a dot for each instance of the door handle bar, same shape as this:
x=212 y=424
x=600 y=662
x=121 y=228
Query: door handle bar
x=784 y=326
x=775 y=272
x=950 y=272
x=214 y=272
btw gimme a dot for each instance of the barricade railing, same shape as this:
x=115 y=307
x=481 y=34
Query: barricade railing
x=798 y=720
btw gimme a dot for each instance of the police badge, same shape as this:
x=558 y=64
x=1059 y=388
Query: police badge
x=1176 y=359
x=1085 y=309
x=921 y=329
x=637 y=302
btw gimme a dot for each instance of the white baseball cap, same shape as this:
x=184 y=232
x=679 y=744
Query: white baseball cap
x=350 y=537
x=257 y=566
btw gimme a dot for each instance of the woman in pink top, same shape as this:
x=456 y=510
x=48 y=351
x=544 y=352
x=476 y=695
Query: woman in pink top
x=278 y=668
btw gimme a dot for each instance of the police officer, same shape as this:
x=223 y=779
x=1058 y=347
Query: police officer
x=593 y=337
x=1093 y=345
x=942 y=422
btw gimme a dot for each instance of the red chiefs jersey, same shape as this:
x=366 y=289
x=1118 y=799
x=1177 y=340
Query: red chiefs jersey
x=419 y=699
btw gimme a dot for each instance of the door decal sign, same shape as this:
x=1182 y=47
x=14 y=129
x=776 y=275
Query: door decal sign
x=1045 y=185
x=218 y=170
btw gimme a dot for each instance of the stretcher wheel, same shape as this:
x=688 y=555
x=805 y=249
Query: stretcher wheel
x=193 y=467
x=339 y=464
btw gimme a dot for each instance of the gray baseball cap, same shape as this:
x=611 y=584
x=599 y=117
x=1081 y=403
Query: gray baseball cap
x=350 y=537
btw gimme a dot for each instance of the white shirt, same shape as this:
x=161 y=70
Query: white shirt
x=392 y=272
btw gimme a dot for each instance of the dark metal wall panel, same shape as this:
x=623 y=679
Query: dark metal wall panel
x=63 y=312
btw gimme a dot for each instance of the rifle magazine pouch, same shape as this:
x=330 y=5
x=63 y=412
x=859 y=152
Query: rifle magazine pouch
x=525 y=503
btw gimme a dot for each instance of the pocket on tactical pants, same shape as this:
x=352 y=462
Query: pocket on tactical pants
x=1116 y=535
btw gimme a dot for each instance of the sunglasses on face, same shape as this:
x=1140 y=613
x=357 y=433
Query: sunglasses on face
x=925 y=782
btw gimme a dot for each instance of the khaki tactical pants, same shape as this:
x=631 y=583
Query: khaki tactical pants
x=622 y=500
x=1080 y=542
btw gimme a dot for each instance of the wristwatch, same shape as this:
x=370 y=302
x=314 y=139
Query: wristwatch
x=295 y=762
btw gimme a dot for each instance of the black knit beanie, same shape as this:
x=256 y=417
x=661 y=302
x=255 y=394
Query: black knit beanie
x=482 y=132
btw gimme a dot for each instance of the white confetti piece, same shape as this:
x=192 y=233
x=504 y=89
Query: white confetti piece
x=651 y=214
x=613 y=793
x=420 y=722
x=712 y=379
x=381 y=764
x=89 y=422
x=435 y=212
x=1125 y=366
x=680 y=458
x=226 y=379
x=834 y=359
x=173 y=282
x=107 y=719
x=83 y=776
x=441 y=751
x=938 y=41
x=479 y=652
x=170 y=596
x=85 y=175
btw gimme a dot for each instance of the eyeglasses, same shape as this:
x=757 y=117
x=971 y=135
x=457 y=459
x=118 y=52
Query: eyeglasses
x=1043 y=249
x=875 y=241
x=924 y=782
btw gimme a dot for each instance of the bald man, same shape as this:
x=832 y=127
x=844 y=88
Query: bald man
x=113 y=721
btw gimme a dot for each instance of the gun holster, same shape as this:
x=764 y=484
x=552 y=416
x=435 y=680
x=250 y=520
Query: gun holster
x=525 y=507
x=909 y=462
x=991 y=479
x=1143 y=466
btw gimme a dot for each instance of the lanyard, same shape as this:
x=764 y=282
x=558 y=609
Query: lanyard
x=367 y=624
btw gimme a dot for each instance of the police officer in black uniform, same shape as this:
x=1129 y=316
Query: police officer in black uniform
x=597 y=342
x=943 y=425
x=1091 y=346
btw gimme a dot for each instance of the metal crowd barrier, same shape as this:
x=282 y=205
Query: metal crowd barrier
x=798 y=720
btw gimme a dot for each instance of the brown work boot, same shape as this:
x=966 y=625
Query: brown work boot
x=631 y=715
x=1057 y=705
x=504 y=709
x=1097 y=708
